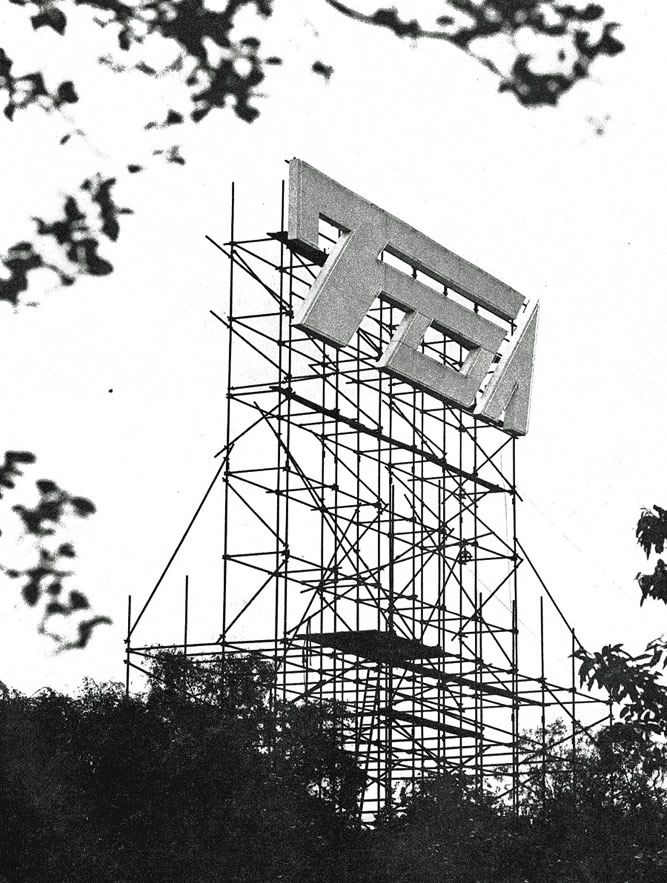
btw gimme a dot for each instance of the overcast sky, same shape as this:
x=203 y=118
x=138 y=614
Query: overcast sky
x=538 y=198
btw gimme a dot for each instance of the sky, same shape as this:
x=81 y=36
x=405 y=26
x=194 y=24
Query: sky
x=117 y=384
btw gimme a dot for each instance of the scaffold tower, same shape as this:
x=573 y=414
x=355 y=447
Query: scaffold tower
x=368 y=544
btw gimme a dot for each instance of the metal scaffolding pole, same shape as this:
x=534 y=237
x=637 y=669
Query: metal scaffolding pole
x=367 y=551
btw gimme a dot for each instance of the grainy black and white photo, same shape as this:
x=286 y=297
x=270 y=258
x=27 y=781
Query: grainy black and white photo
x=331 y=488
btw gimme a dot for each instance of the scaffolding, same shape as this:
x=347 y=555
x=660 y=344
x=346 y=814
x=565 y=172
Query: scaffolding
x=369 y=547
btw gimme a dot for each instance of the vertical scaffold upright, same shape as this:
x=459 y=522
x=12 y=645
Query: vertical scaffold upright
x=369 y=546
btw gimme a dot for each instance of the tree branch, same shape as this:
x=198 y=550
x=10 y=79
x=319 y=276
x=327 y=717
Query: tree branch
x=570 y=30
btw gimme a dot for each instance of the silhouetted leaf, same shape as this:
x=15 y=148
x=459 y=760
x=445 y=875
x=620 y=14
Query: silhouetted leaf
x=67 y=93
x=30 y=593
x=78 y=601
x=85 y=632
x=51 y=17
x=389 y=18
x=54 y=588
x=82 y=506
x=46 y=486
x=324 y=70
x=19 y=261
x=84 y=253
x=592 y=12
x=9 y=469
x=54 y=607
x=100 y=191
x=609 y=45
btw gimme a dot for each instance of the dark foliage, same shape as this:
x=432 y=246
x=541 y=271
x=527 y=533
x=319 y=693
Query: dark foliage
x=78 y=236
x=652 y=530
x=187 y=24
x=596 y=815
x=173 y=118
x=651 y=536
x=569 y=29
x=171 y=155
x=41 y=520
x=10 y=468
x=230 y=75
x=324 y=70
x=44 y=581
x=635 y=684
x=45 y=13
x=578 y=31
x=204 y=778
x=169 y=786
x=654 y=585
x=23 y=91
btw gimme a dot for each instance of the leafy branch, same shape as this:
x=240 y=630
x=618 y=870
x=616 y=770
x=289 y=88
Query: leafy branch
x=630 y=681
x=218 y=68
x=44 y=580
x=635 y=683
x=77 y=236
x=578 y=35
x=10 y=469
x=222 y=65
x=651 y=536
x=31 y=89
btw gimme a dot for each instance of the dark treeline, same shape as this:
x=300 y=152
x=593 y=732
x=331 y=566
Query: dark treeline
x=202 y=779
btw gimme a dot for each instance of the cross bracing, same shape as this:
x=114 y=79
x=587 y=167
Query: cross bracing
x=369 y=547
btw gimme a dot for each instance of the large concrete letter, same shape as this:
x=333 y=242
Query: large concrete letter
x=353 y=276
x=403 y=359
x=510 y=386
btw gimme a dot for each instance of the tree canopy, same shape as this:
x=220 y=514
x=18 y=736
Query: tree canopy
x=175 y=784
x=205 y=777
x=635 y=682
